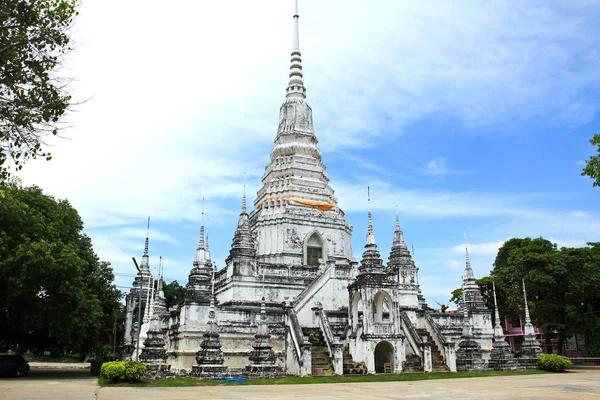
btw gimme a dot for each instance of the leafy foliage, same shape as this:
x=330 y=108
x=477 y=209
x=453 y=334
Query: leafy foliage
x=55 y=294
x=592 y=166
x=33 y=39
x=117 y=370
x=113 y=370
x=553 y=363
x=174 y=293
x=134 y=371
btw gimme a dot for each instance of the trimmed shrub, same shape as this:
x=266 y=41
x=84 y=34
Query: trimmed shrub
x=553 y=362
x=113 y=370
x=134 y=371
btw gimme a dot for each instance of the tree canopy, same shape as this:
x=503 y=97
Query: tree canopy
x=174 y=293
x=563 y=287
x=55 y=294
x=592 y=166
x=33 y=97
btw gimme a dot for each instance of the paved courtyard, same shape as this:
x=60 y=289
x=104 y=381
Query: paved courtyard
x=57 y=384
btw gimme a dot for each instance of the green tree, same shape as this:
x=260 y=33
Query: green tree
x=592 y=166
x=33 y=97
x=563 y=287
x=174 y=293
x=54 y=291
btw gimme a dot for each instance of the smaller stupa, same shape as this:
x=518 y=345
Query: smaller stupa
x=530 y=348
x=210 y=356
x=501 y=357
x=469 y=356
x=262 y=357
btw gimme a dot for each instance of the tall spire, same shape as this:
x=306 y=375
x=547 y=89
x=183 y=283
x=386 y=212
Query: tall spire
x=468 y=270
x=296 y=85
x=370 y=235
x=145 y=265
x=371 y=259
x=498 y=333
x=527 y=317
x=244 y=197
x=201 y=243
x=147 y=235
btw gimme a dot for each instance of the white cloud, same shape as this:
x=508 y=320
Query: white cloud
x=578 y=214
x=481 y=249
x=185 y=99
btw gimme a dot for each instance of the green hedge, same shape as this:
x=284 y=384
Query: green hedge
x=553 y=362
x=134 y=371
x=118 y=370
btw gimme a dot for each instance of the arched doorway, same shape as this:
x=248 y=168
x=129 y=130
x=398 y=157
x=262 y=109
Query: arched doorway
x=382 y=305
x=384 y=358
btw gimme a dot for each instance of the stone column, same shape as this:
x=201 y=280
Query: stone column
x=426 y=354
x=306 y=367
x=338 y=358
x=450 y=350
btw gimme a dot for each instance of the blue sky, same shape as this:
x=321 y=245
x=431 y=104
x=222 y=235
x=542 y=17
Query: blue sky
x=476 y=114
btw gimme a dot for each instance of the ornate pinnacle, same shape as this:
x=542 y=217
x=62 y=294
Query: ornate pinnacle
x=244 y=197
x=296 y=85
x=263 y=311
x=527 y=317
x=497 y=327
x=370 y=235
x=468 y=270
x=201 y=242
x=147 y=235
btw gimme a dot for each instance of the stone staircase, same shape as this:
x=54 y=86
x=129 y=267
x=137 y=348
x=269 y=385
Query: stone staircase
x=351 y=367
x=437 y=360
x=321 y=360
x=412 y=364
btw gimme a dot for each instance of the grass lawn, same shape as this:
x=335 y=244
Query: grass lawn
x=294 y=380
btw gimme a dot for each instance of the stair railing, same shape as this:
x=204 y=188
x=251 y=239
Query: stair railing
x=296 y=334
x=334 y=346
x=313 y=287
x=411 y=333
x=437 y=335
x=327 y=331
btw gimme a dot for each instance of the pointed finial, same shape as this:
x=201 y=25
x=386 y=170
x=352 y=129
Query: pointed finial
x=147 y=235
x=296 y=84
x=468 y=269
x=201 y=243
x=244 y=197
x=370 y=220
x=397 y=217
x=370 y=235
x=296 y=43
x=263 y=311
x=527 y=317
x=496 y=313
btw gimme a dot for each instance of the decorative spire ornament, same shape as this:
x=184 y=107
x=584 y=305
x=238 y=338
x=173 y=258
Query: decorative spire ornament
x=370 y=235
x=371 y=259
x=147 y=235
x=296 y=85
x=498 y=333
x=468 y=270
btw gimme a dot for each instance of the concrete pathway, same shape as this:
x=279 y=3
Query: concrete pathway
x=55 y=384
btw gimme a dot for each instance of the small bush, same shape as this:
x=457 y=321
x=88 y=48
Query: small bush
x=113 y=370
x=134 y=371
x=553 y=362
